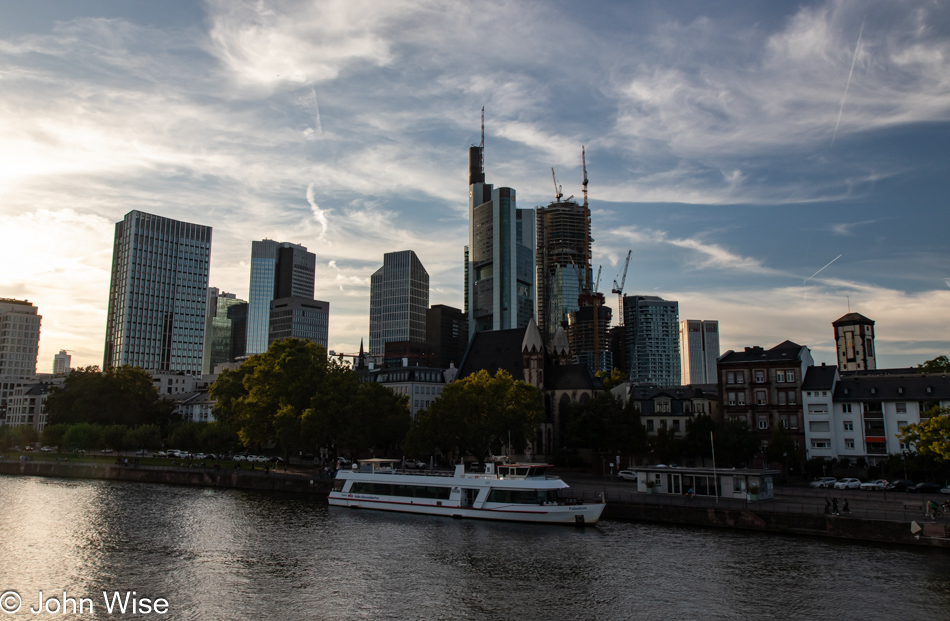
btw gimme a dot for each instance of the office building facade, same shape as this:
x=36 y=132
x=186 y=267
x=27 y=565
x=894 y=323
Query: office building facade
x=158 y=294
x=446 y=335
x=699 y=348
x=651 y=339
x=219 y=329
x=500 y=272
x=19 y=338
x=302 y=318
x=398 y=299
x=61 y=363
x=563 y=263
x=278 y=270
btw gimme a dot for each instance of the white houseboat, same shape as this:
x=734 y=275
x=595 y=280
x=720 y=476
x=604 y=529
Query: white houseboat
x=511 y=492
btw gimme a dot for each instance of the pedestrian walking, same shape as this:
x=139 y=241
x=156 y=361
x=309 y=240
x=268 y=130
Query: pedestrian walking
x=834 y=506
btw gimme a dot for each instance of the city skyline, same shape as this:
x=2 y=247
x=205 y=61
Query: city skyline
x=794 y=179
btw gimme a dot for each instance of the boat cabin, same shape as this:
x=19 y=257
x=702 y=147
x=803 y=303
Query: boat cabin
x=377 y=466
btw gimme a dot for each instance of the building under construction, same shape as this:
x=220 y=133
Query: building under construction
x=563 y=262
x=588 y=333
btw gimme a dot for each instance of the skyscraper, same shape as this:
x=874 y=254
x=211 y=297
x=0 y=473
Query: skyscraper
x=219 y=332
x=501 y=243
x=563 y=262
x=398 y=299
x=61 y=363
x=699 y=348
x=651 y=339
x=588 y=331
x=158 y=294
x=302 y=318
x=278 y=270
x=20 y=342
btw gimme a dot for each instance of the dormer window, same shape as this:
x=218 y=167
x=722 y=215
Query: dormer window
x=929 y=389
x=900 y=390
x=873 y=391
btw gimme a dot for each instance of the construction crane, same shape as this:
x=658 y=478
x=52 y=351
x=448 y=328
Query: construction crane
x=557 y=189
x=618 y=289
x=597 y=280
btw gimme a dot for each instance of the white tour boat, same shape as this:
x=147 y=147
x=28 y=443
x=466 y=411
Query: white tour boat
x=511 y=492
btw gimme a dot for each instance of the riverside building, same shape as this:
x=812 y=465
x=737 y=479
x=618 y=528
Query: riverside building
x=157 y=294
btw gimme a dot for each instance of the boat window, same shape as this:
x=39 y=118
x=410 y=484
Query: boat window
x=522 y=472
x=522 y=496
x=407 y=491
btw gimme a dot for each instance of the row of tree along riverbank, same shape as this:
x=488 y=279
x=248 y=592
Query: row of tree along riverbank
x=744 y=518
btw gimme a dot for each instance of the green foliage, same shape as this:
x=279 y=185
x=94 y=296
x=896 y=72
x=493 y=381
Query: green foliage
x=53 y=435
x=294 y=397
x=185 y=436
x=476 y=415
x=7 y=437
x=665 y=445
x=782 y=449
x=217 y=437
x=148 y=437
x=113 y=437
x=698 y=440
x=612 y=379
x=83 y=436
x=19 y=435
x=930 y=437
x=120 y=396
x=735 y=444
x=940 y=364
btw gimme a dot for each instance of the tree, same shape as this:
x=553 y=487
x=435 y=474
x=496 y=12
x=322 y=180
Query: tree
x=606 y=425
x=940 y=364
x=612 y=379
x=698 y=439
x=83 y=436
x=735 y=443
x=148 y=437
x=113 y=437
x=930 y=437
x=119 y=396
x=478 y=414
x=782 y=448
x=267 y=398
x=53 y=435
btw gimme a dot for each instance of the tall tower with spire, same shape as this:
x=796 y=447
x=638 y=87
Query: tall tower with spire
x=499 y=274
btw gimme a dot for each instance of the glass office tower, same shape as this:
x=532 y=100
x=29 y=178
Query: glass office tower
x=278 y=270
x=158 y=294
x=398 y=300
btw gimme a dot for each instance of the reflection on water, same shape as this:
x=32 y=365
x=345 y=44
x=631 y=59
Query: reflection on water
x=229 y=555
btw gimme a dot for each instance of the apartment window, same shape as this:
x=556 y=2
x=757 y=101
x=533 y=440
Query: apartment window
x=820 y=444
x=740 y=377
x=789 y=376
x=845 y=408
x=792 y=399
x=819 y=425
x=763 y=422
x=901 y=408
x=848 y=425
x=781 y=398
x=901 y=424
x=760 y=397
x=730 y=377
x=741 y=397
x=793 y=421
x=649 y=424
x=849 y=444
x=780 y=376
x=784 y=422
x=676 y=425
x=759 y=377
x=732 y=398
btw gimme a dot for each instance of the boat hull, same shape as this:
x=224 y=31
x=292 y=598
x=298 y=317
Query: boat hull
x=544 y=514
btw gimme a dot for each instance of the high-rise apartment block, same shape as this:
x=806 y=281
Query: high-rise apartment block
x=278 y=270
x=219 y=345
x=158 y=293
x=699 y=348
x=398 y=299
x=854 y=337
x=500 y=274
x=19 y=338
x=651 y=339
x=563 y=262
x=61 y=363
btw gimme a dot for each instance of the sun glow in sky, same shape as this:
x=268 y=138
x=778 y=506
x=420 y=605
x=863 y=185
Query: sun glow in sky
x=736 y=148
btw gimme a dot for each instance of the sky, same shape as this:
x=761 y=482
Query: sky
x=769 y=165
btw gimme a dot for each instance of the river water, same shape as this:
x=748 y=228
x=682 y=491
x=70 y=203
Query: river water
x=215 y=554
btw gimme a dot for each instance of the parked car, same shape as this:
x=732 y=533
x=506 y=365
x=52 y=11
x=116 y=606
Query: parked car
x=628 y=475
x=848 y=483
x=45 y=449
x=417 y=464
x=900 y=485
x=925 y=488
x=945 y=490
x=877 y=485
x=824 y=482
x=161 y=454
x=239 y=457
